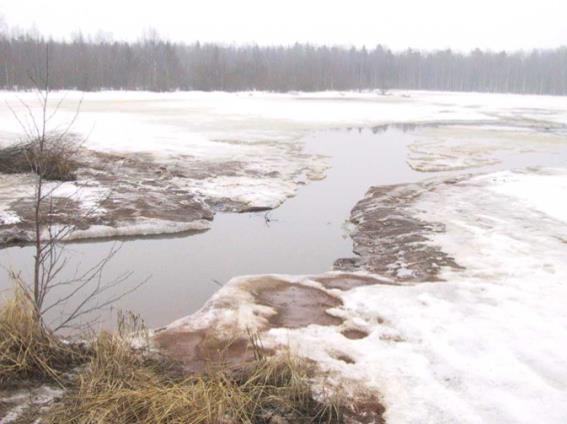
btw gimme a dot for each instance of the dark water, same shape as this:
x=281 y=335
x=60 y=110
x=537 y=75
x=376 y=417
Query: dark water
x=305 y=235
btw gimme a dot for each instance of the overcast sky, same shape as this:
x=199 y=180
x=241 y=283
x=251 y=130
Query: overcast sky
x=424 y=24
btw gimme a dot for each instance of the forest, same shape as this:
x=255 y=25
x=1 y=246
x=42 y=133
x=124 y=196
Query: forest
x=158 y=65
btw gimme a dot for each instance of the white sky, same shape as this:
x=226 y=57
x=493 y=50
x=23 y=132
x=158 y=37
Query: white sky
x=427 y=24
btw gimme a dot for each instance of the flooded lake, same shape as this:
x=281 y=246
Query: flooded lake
x=305 y=235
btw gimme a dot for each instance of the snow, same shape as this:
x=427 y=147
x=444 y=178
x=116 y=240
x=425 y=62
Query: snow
x=458 y=147
x=545 y=193
x=259 y=193
x=8 y=218
x=139 y=227
x=12 y=188
x=231 y=308
x=21 y=186
x=491 y=339
x=485 y=346
x=187 y=122
x=259 y=132
x=87 y=196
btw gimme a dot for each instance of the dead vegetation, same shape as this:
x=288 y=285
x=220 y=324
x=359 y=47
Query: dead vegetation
x=118 y=386
x=57 y=161
x=28 y=352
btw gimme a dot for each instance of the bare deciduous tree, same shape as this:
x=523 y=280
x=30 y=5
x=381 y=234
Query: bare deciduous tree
x=48 y=155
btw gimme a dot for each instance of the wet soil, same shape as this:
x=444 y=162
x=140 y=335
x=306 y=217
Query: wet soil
x=354 y=334
x=389 y=240
x=296 y=305
x=138 y=188
x=197 y=350
x=293 y=306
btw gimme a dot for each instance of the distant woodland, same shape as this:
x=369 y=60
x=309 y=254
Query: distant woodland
x=154 y=64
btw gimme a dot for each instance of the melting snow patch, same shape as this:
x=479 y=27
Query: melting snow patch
x=485 y=346
x=544 y=192
x=254 y=192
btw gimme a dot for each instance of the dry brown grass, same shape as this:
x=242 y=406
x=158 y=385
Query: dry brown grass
x=57 y=162
x=119 y=387
x=28 y=351
x=122 y=385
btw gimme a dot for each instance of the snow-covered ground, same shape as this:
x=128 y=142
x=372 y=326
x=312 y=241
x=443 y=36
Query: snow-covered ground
x=245 y=145
x=187 y=122
x=464 y=147
x=484 y=346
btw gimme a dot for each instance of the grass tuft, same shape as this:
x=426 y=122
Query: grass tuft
x=57 y=162
x=120 y=386
x=27 y=350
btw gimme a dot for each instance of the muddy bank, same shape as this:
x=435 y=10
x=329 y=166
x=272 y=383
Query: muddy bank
x=256 y=307
x=258 y=304
x=121 y=195
x=390 y=240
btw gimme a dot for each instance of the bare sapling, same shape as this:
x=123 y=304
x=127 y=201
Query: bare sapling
x=50 y=155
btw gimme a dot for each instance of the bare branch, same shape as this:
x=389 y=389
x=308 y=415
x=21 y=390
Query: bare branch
x=87 y=290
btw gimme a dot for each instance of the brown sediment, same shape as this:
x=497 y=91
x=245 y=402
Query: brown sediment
x=366 y=409
x=349 y=281
x=60 y=210
x=139 y=187
x=296 y=305
x=293 y=305
x=196 y=350
x=354 y=334
x=389 y=240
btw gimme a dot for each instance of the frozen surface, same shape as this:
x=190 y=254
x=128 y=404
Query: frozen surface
x=458 y=147
x=187 y=122
x=245 y=145
x=486 y=346
x=544 y=193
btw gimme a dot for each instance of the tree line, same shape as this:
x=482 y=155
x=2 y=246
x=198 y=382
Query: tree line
x=158 y=65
